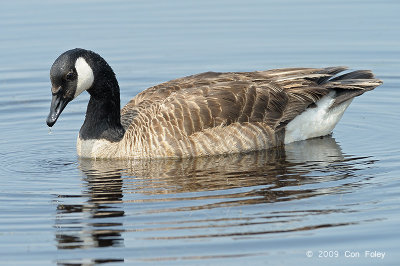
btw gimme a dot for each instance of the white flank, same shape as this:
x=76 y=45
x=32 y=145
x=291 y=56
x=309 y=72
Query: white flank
x=85 y=76
x=316 y=122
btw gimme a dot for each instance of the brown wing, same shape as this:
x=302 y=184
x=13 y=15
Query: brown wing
x=159 y=93
x=162 y=91
x=275 y=97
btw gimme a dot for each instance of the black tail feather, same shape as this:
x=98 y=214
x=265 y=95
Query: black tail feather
x=352 y=84
x=358 y=74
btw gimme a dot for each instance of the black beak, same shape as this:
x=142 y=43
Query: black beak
x=58 y=103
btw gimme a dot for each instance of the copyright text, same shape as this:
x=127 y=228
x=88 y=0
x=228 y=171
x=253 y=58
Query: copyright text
x=373 y=254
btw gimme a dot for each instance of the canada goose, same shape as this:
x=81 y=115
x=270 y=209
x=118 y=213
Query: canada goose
x=204 y=114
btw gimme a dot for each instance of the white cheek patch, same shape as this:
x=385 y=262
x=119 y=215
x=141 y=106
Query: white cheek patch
x=85 y=76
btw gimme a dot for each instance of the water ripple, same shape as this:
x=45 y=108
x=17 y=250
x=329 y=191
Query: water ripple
x=167 y=199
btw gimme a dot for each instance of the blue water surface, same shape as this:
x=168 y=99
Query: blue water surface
x=329 y=201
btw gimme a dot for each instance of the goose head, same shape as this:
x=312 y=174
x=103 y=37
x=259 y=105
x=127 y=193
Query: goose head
x=74 y=72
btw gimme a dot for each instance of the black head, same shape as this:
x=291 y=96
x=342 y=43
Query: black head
x=72 y=73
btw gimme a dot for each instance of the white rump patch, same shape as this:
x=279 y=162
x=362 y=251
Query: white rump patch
x=85 y=76
x=316 y=122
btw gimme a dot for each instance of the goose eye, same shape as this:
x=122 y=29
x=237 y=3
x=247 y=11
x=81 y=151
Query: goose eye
x=70 y=76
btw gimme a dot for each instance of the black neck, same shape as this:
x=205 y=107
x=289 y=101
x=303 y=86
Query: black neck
x=103 y=115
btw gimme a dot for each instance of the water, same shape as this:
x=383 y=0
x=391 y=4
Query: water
x=333 y=197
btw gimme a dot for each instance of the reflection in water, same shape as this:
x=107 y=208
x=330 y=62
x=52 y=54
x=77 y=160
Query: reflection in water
x=94 y=223
x=139 y=192
x=103 y=194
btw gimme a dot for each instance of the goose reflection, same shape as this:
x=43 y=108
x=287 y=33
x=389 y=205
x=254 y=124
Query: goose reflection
x=276 y=175
x=272 y=172
x=93 y=223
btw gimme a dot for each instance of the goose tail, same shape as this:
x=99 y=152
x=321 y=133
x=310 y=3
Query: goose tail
x=350 y=85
